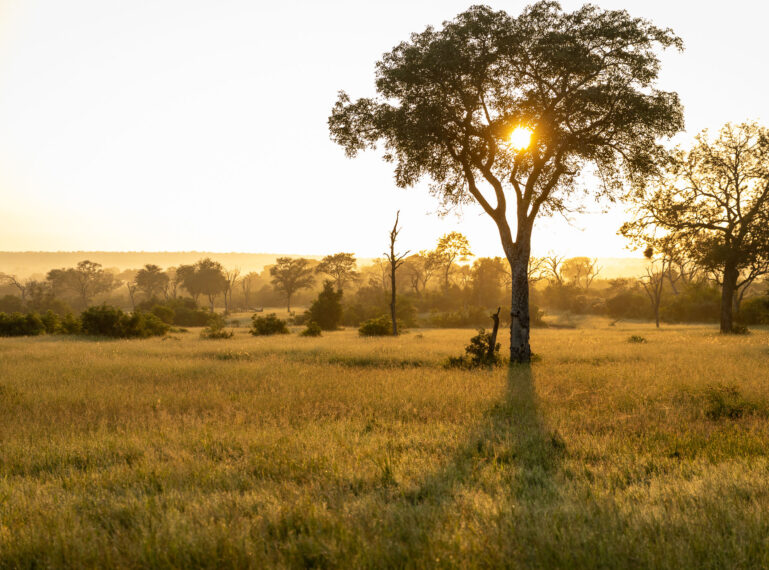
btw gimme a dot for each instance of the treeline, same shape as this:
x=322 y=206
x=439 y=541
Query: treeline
x=439 y=287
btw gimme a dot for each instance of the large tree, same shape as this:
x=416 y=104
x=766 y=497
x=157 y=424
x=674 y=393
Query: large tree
x=289 y=275
x=340 y=267
x=581 y=84
x=206 y=277
x=713 y=202
x=86 y=280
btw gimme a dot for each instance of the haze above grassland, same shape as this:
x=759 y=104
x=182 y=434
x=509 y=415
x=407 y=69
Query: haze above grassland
x=37 y=263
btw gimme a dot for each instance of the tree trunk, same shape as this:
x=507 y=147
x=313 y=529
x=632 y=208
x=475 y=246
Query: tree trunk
x=493 y=339
x=211 y=301
x=392 y=298
x=520 y=349
x=727 y=297
x=288 y=303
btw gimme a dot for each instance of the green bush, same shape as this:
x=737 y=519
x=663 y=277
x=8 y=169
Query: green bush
x=18 y=324
x=269 y=325
x=216 y=330
x=755 y=311
x=112 y=322
x=326 y=310
x=477 y=353
x=313 y=329
x=378 y=326
x=164 y=313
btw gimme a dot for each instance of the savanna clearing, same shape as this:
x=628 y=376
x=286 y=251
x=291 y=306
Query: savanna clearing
x=355 y=452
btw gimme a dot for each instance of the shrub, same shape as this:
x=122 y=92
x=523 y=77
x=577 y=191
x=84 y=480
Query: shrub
x=313 y=329
x=636 y=339
x=70 y=324
x=269 y=325
x=215 y=331
x=755 y=311
x=112 y=322
x=142 y=325
x=326 y=310
x=18 y=324
x=477 y=353
x=378 y=326
x=724 y=402
x=51 y=322
x=164 y=313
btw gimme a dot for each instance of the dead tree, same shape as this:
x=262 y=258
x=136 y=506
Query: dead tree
x=395 y=260
x=493 y=339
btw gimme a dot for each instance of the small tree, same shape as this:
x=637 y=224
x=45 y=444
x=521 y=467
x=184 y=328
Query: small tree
x=451 y=248
x=210 y=278
x=713 y=202
x=340 y=267
x=580 y=271
x=420 y=268
x=326 y=311
x=231 y=277
x=653 y=282
x=151 y=280
x=395 y=260
x=290 y=275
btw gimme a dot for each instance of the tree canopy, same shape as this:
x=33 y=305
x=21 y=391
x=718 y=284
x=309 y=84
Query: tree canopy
x=289 y=275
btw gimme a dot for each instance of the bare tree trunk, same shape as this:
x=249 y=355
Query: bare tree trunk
x=288 y=302
x=392 y=299
x=395 y=260
x=493 y=339
x=520 y=349
x=727 y=297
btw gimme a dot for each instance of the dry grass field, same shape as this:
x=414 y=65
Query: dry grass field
x=342 y=451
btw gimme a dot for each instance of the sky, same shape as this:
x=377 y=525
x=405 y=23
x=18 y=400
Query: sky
x=187 y=125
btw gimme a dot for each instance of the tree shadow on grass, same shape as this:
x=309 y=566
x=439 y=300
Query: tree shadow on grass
x=512 y=440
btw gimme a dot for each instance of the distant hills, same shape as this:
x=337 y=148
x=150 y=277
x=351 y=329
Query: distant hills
x=37 y=263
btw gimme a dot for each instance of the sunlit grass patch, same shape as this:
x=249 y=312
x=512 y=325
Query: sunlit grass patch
x=356 y=452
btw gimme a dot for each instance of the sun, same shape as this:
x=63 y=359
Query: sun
x=520 y=138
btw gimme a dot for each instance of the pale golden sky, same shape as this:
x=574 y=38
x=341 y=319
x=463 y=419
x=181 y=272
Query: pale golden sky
x=187 y=125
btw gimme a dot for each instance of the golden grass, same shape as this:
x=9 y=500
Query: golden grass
x=343 y=451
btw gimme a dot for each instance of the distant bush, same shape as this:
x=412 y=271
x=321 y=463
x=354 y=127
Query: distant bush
x=112 y=322
x=755 y=311
x=182 y=311
x=628 y=304
x=164 y=313
x=696 y=303
x=326 y=310
x=313 y=329
x=18 y=324
x=11 y=304
x=216 y=330
x=269 y=325
x=636 y=339
x=378 y=326
x=477 y=353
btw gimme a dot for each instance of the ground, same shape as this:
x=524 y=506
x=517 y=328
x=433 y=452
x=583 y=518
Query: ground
x=353 y=452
